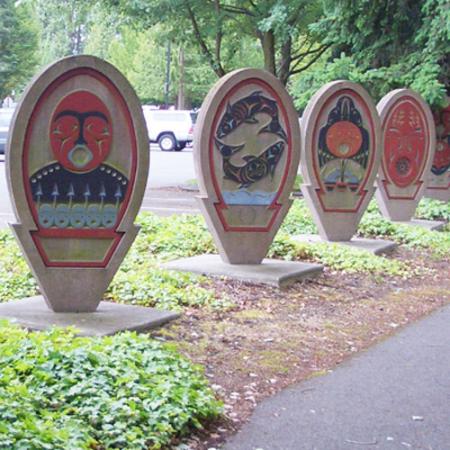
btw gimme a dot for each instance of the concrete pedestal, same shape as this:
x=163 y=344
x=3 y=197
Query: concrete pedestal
x=432 y=225
x=271 y=271
x=375 y=246
x=110 y=318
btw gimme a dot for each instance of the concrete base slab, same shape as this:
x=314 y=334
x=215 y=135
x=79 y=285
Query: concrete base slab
x=432 y=225
x=110 y=318
x=271 y=271
x=375 y=246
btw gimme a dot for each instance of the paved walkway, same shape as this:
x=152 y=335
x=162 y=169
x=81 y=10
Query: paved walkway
x=394 y=396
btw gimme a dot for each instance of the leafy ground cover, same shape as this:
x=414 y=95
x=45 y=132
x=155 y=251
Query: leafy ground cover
x=252 y=340
x=62 y=392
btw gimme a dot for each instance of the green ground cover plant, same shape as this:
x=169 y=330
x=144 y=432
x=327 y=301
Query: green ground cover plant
x=127 y=391
x=431 y=209
x=337 y=257
x=373 y=224
x=141 y=281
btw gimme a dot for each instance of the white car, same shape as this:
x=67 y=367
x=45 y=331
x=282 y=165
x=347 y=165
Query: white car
x=171 y=129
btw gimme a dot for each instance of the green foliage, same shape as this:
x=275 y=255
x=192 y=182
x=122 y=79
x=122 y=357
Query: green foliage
x=18 y=46
x=298 y=220
x=374 y=225
x=60 y=392
x=431 y=209
x=16 y=279
x=395 y=44
x=337 y=257
x=63 y=30
x=175 y=236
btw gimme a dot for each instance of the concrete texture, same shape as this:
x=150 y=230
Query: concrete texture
x=110 y=318
x=394 y=396
x=70 y=284
x=270 y=271
x=337 y=208
x=433 y=225
x=244 y=204
x=375 y=246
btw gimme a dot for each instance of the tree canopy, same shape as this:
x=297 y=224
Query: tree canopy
x=17 y=47
x=385 y=45
x=216 y=27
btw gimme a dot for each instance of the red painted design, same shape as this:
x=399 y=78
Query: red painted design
x=406 y=143
x=344 y=139
x=361 y=190
x=93 y=132
x=81 y=131
x=275 y=206
x=441 y=162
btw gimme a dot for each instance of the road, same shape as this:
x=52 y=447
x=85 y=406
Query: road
x=167 y=169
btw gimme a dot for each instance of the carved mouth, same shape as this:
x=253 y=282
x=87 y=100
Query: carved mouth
x=80 y=156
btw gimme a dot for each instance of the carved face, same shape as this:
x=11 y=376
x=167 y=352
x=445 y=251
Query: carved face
x=81 y=132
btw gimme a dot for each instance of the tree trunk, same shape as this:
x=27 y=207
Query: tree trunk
x=268 y=45
x=181 y=103
x=284 y=70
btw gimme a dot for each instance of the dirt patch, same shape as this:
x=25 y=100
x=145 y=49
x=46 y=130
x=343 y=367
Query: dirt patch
x=271 y=339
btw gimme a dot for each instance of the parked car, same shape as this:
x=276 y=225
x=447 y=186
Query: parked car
x=5 y=120
x=171 y=129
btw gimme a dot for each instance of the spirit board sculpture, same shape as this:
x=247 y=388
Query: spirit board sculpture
x=247 y=152
x=341 y=136
x=77 y=165
x=408 y=146
x=439 y=179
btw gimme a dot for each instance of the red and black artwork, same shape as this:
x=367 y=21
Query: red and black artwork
x=441 y=162
x=343 y=147
x=79 y=190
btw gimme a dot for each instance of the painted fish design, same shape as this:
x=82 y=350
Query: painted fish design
x=244 y=111
x=255 y=168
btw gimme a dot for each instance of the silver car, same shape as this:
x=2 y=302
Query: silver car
x=5 y=121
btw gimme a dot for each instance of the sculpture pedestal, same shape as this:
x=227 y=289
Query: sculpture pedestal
x=432 y=225
x=108 y=319
x=375 y=246
x=273 y=272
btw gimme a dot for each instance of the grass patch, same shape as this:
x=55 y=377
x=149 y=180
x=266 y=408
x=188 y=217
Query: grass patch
x=127 y=391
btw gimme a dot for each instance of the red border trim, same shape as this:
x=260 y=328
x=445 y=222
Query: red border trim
x=221 y=205
x=362 y=191
x=84 y=233
x=37 y=241
x=387 y=178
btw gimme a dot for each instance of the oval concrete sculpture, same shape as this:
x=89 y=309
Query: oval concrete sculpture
x=408 y=148
x=247 y=150
x=439 y=177
x=341 y=136
x=77 y=166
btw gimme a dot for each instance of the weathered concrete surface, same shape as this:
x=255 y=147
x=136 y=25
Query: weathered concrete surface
x=246 y=166
x=394 y=396
x=74 y=263
x=270 y=271
x=433 y=225
x=108 y=319
x=341 y=136
x=376 y=246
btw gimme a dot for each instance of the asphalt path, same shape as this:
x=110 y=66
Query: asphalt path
x=394 y=396
x=168 y=170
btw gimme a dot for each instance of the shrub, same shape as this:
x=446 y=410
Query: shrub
x=60 y=392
